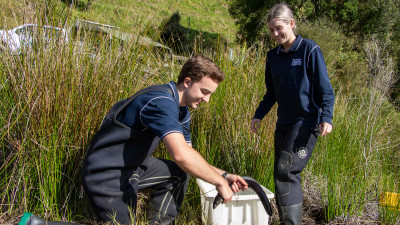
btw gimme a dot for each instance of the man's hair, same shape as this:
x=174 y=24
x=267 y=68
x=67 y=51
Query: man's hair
x=198 y=67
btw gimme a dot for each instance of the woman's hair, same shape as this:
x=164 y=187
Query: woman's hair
x=198 y=67
x=280 y=11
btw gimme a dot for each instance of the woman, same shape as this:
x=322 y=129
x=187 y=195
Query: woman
x=296 y=78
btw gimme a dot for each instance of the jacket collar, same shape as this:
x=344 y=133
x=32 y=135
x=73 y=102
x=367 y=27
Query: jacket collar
x=295 y=46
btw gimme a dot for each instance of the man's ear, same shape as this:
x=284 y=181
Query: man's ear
x=187 y=82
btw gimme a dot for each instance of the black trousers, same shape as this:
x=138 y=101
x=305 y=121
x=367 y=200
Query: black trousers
x=293 y=149
x=115 y=199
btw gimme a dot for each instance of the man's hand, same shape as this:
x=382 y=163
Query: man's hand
x=255 y=125
x=324 y=128
x=225 y=191
x=237 y=183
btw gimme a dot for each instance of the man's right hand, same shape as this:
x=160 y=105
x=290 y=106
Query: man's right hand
x=225 y=191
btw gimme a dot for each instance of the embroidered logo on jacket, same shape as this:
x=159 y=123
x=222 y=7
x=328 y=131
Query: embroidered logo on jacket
x=296 y=62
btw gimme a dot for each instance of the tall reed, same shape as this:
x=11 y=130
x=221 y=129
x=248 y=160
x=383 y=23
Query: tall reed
x=352 y=162
x=53 y=100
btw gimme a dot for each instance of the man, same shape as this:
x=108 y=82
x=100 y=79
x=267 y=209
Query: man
x=119 y=161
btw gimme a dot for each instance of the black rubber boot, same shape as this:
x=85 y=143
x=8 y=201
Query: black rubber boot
x=291 y=214
x=30 y=219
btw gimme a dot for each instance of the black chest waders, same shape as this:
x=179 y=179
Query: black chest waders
x=116 y=158
x=293 y=150
x=114 y=137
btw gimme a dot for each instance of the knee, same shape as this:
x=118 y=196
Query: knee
x=179 y=179
x=182 y=175
x=283 y=165
x=184 y=178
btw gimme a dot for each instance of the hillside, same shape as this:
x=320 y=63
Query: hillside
x=208 y=18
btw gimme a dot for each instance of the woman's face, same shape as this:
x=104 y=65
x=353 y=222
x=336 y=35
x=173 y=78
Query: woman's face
x=282 y=32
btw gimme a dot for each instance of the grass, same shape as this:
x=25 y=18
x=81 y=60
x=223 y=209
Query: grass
x=363 y=143
x=53 y=101
x=48 y=117
x=205 y=21
x=203 y=16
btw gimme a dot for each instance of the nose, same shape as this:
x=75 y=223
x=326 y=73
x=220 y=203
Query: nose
x=206 y=98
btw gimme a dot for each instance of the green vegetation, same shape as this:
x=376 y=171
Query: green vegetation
x=358 y=20
x=202 y=21
x=53 y=102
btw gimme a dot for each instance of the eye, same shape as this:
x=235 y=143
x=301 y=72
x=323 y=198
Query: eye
x=205 y=91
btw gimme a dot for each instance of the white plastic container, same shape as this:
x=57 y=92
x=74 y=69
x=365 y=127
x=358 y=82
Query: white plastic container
x=245 y=207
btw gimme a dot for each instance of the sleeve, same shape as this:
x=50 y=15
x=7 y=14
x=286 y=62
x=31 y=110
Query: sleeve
x=323 y=95
x=161 y=115
x=185 y=121
x=269 y=98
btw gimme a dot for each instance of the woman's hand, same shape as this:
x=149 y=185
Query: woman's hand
x=255 y=125
x=324 y=128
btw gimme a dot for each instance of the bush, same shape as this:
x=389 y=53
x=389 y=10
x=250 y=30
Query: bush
x=344 y=58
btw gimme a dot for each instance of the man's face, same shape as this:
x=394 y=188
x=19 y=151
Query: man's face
x=197 y=92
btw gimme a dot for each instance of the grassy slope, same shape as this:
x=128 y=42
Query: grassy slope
x=206 y=16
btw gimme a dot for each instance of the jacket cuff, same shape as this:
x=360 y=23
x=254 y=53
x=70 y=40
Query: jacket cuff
x=326 y=119
x=258 y=116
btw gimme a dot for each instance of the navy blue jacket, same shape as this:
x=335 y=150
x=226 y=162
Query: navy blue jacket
x=298 y=81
